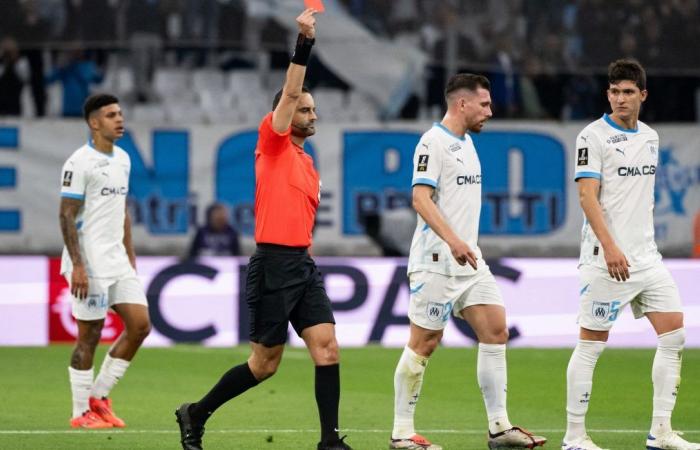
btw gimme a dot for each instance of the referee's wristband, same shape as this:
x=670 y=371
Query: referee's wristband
x=302 y=51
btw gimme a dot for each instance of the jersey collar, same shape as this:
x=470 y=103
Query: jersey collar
x=612 y=123
x=447 y=130
x=91 y=144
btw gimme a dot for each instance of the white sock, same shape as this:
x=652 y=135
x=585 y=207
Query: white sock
x=408 y=380
x=579 y=384
x=111 y=371
x=666 y=376
x=80 y=385
x=492 y=376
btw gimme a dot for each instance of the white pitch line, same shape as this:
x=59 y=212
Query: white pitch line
x=290 y=431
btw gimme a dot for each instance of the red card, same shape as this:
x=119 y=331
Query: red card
x=315 y=4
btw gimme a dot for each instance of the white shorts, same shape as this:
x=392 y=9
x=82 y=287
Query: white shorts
x=434 y=296
x=103 y=293
x=603 y=297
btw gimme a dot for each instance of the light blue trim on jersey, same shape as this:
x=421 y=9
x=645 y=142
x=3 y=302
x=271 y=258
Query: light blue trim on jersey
x=612 y=123
x=425 y=228
x=416 y=289
x=71 y=195
x=447 y=130
x=595 y=175
x=427 y=181
x=108 y=155
x=79 y=225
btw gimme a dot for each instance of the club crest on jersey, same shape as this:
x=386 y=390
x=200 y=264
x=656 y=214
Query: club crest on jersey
x=582 y=156
x=434 y=311
x=653 y=149
x=600 y=311
x=454 y=147
x=67 y=178
x=422 y=163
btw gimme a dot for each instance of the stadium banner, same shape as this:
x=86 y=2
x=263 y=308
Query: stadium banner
x=203 y=302
x=530 y=202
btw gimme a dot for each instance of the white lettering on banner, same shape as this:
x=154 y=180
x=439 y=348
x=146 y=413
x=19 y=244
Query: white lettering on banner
x=204 y=302
x=198 y=170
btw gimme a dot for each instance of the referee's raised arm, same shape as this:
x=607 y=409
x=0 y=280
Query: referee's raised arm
x=283 y=113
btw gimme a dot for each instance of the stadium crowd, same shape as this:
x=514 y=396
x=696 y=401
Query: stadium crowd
x=545 y=59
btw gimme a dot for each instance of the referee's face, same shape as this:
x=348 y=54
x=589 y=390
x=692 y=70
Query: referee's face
x=304 y=120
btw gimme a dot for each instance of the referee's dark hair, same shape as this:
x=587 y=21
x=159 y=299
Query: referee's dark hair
x=95 y=102
x=468 y=81
x=627 y=69
x=278 y=96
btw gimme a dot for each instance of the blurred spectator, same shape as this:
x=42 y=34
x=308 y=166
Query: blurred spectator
x=144 y=28
x=92 y=22
x=33 y=33
x=54 y=13
x=217 y=237
x=202 y=27
x=14 y=73
x=505 y=90
x=580 y=93
x=530 y=99
x=76 y=73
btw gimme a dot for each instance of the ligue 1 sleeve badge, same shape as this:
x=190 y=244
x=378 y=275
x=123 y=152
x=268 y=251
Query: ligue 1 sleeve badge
x=67 y=178
x=583 y=156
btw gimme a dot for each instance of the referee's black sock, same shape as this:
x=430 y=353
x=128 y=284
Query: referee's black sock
x=234 y=382
x=328 y=398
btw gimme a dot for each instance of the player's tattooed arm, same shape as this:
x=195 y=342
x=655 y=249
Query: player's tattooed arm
x=68 y=212
x=128 y=243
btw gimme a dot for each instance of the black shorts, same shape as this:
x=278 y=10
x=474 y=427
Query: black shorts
x=283 y=285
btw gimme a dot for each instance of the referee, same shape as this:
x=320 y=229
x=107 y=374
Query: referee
x=283 y=283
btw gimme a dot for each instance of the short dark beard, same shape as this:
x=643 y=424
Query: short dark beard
x=302 y=132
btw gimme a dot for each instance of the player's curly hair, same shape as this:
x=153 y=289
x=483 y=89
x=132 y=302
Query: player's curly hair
x=95 y=102
x=627 y=69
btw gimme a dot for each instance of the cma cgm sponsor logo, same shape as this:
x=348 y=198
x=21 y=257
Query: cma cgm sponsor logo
x=673 y=181
x=114 y=191
x=469 y=179
x=636 y=171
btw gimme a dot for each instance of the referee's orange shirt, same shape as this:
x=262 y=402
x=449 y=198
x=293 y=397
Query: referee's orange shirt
x=287 y=189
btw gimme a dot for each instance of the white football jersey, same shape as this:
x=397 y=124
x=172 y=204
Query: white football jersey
x=102 y=181
x=451 y=166
x=625 y=162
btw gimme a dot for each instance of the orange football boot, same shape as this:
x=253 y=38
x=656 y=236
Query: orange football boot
x=89 y=420
x=103 y=408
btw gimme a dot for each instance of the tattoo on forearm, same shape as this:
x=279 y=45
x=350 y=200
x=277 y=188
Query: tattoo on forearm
x=69 y=211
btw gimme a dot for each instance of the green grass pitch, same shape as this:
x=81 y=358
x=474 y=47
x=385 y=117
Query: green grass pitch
x=281 y=413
